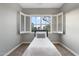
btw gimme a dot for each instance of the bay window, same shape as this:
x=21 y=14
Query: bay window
x=52 y=23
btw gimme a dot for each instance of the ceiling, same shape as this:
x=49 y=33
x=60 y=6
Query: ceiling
x=41 y=5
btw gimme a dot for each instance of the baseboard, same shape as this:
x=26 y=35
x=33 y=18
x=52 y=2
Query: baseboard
x=53 y=42
x=26 y=42
x=69 y=49
x=12 y=49
x=56 y=42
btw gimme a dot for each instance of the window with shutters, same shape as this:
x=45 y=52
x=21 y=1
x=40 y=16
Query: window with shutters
x=52 y=23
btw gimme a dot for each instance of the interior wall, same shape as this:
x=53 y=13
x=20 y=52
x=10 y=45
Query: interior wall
x=9 y=36
x=71 y=36
x=39 y=11
x=30 y=36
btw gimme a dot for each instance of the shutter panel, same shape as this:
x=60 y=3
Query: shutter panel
x=54 y=23
x=22 y=23
x=27 y=23
x=60 y=22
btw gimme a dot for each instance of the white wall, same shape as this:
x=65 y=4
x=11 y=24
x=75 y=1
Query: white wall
x=9 y=37
x=71 y=37
x=30 y=36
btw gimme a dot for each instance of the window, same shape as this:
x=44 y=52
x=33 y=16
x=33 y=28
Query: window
x=30 y=23
x=41 y=23
x=24 y=23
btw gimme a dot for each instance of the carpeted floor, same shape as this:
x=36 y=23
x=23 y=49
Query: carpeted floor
x=20 y=50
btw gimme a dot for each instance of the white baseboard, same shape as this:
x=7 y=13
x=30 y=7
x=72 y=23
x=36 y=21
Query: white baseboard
x=26 y=42
x=12 y=50
x=56 y=42
x=53 y=42
x=69 y=49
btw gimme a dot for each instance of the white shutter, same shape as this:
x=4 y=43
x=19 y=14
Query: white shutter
x=28 y=24
x=24 y=23
x=54 y=24
x=60 y=22
x=21 y=22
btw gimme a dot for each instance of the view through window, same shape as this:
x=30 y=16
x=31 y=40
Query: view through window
x=41 y=23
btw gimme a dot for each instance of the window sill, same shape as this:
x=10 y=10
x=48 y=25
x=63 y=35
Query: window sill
x=24 y=32
x=58 y=32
